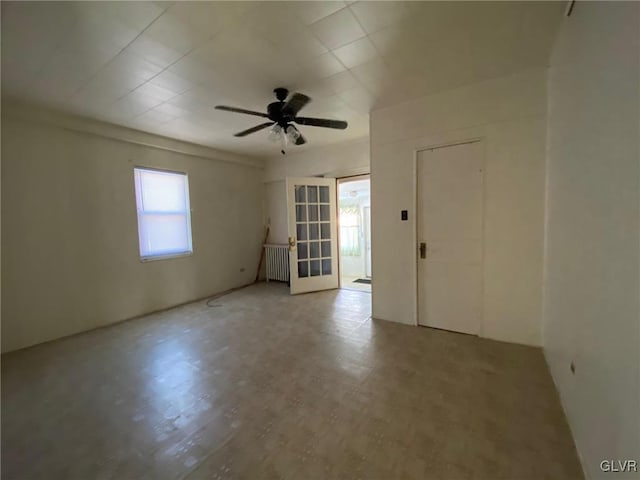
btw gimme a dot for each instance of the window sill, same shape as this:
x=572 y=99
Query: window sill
x=165 y=257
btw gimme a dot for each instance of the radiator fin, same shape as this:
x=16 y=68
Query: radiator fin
x=277 y=262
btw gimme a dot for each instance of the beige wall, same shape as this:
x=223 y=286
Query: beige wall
x=592 y=285
x=69 y=231
x=339 y=160
x=509 y=115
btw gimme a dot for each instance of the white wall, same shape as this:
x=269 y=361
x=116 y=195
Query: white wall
x=70 y=259
x=592 y=264
x=338 y=160
x=509 y=115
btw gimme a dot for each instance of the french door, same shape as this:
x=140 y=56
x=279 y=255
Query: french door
x=313 y=252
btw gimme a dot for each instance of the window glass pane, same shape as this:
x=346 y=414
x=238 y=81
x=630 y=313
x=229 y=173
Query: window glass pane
x=301 y=231
x=313 y=231
x=350 y=231
x=302 y=250
x=350 y=216
x=313 y=213
x=301 y=194
x=350 y=241
x=326 y=267
x=314 y=250
x=161 y=191
x=326 y=230
x=162 y=234
x=314 y=267
x=324 y=194
x=312 y=192
x=303 y=269
x=301 y=213
x=324 y=213
x=326 y=249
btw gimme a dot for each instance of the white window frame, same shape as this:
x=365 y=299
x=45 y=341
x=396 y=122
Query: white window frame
x=141 y=213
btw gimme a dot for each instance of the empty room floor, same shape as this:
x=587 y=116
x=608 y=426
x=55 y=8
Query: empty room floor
x=266 y=385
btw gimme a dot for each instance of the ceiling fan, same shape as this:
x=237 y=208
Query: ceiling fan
x=281 y=117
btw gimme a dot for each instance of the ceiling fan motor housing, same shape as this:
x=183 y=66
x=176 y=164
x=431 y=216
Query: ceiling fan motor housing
x=274 y=111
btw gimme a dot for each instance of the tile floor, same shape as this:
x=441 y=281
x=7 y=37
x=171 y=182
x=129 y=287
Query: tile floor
x=265 y=385
x=350 y=284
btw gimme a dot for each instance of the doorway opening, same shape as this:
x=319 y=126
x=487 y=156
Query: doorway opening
x=354 y=220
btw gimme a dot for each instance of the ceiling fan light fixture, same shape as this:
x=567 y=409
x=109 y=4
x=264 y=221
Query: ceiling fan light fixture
x=293 y=133
x=275 y=133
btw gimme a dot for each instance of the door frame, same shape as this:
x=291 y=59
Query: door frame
x=339 y=180
x=416 y=240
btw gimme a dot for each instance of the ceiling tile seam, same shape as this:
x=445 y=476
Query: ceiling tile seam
x=331 y=50
x=117 y=55
x=159 y=73
x=322 y=18
x=358 y=20
x=211 y=37
x=192 y=49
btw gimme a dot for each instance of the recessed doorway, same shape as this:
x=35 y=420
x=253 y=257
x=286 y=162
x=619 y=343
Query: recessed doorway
x=354 y=220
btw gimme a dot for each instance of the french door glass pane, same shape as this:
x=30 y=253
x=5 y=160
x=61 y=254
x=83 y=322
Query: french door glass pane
x=302 y=250
x=301 y=194
x=324 y=194
x=314 y=251
x=301 y=231
x=326 y=249
x=324 y=213
x=313 y=231
x=312 y=192
x=325 y=230
x=301 y=213
x=303 y=269
x=326 y=266
x=313 y=213
x=314 y=268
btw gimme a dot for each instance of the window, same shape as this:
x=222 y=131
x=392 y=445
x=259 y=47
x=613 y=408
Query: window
x=350 y=231
x=164 y=220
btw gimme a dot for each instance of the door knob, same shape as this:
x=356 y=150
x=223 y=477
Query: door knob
x=423 y=250
x=292 y=243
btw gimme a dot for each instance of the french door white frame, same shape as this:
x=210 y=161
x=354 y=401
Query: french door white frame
x=326 y=274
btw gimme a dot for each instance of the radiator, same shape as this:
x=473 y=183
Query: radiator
x=277 y=262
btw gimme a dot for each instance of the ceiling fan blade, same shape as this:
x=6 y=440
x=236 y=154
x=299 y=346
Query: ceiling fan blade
x=240 y=110
x=257 y=128
x=295 y=104
x=321 y=122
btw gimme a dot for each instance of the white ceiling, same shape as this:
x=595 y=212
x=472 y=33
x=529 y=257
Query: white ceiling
x=160 y=67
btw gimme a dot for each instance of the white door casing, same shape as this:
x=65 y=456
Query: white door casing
x=313 y=250
x=450 y=225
